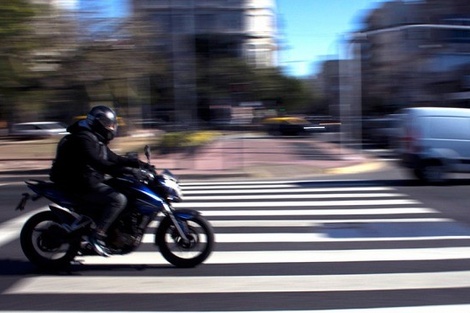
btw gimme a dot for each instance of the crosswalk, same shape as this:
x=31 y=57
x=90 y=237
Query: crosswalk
x=289 y=247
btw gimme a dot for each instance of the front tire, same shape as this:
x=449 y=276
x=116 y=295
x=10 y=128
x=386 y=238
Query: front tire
x=431 y=172
x=45 y=244
x=179 y=253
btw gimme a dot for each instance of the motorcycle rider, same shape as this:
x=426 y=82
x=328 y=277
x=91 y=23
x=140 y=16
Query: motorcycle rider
x=82 y=160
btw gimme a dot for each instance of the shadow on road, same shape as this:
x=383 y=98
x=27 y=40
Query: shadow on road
x=14 y=267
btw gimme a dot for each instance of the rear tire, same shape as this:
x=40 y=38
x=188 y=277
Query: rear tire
x=45 y=244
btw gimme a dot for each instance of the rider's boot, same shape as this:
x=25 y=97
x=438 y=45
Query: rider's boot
x=98 y=241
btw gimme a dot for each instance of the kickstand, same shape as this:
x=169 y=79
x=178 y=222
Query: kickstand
x=23 y=201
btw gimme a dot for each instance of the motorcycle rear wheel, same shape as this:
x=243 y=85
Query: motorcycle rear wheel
x=179 y=253
x=45 y=244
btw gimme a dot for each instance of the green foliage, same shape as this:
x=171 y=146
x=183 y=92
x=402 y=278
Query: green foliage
x=235 y=79
x=175 y=141
x=14 y=15
x=15 y=44
x=290 y=93
x=41 y=55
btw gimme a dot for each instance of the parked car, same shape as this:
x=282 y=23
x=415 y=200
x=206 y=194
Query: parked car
x=289 y=126
x=328 y=123
x=36 y=130
x=435 y=142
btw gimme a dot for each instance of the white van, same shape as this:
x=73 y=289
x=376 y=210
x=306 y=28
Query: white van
x=435 y=142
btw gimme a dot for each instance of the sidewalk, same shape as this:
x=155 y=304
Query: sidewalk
x=248 y=157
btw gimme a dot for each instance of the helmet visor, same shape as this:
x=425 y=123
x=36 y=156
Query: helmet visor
x=108 y=120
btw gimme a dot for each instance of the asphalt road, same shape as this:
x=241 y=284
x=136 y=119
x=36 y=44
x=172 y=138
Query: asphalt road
x=375 y=240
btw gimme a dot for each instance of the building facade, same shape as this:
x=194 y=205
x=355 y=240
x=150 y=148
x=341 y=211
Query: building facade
x=236 y=28
x=415 y=53
x=196 y=30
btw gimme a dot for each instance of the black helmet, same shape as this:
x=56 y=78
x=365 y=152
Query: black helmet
x=103 y=121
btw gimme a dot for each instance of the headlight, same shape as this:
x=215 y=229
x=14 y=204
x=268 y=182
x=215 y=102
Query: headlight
x=172 y=188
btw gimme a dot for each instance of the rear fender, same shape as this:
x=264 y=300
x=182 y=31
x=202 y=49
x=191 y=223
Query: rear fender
x=49 y=191
x=64 y=216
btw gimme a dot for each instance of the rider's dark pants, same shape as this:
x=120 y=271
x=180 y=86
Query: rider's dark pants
x=109 y=201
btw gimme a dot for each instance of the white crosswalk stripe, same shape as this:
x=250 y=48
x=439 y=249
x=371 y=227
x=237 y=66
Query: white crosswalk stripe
x=246 y=284
x=375 y=238
x=264 y=257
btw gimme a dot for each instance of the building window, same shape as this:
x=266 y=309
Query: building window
x=205 y=22
x=182 y=23
x=258 y=55
x=234 y=2
x=163 y=22
x=232 y=21
x=181 y=2
x=457 y=35
x=251 y=55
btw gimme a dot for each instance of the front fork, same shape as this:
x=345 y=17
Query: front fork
x=183 y=214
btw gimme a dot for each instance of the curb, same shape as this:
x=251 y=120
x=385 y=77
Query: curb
x=25 y=172
x=268 y=172
x=357 y=168
x=353 y=164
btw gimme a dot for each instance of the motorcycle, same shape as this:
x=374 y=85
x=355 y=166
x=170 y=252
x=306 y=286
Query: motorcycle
x=52 y=239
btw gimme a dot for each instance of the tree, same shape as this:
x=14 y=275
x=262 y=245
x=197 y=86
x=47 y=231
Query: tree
x=290 y=94
x=234 y=79
x=111 y=65
x=14 y=18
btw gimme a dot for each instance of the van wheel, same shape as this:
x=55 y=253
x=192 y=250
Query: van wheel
x=432 y=172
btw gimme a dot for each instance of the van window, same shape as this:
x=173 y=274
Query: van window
x=23 y=127
x=449 y=128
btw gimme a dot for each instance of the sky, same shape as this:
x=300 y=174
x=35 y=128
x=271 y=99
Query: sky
x=312 y=30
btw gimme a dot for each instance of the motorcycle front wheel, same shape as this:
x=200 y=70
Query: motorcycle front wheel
x=46 y=244
x=183 y=253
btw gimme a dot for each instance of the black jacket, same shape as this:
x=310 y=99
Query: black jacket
x=83 y=158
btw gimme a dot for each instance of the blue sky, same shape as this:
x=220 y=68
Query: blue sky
x=107 y=8
x=312 y=30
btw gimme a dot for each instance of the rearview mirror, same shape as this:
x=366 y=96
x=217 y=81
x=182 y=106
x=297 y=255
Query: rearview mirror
x=147 y=153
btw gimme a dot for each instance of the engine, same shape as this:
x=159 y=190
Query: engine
x=128 y=231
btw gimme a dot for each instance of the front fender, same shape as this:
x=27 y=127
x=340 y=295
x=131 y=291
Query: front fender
x=186 y=214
